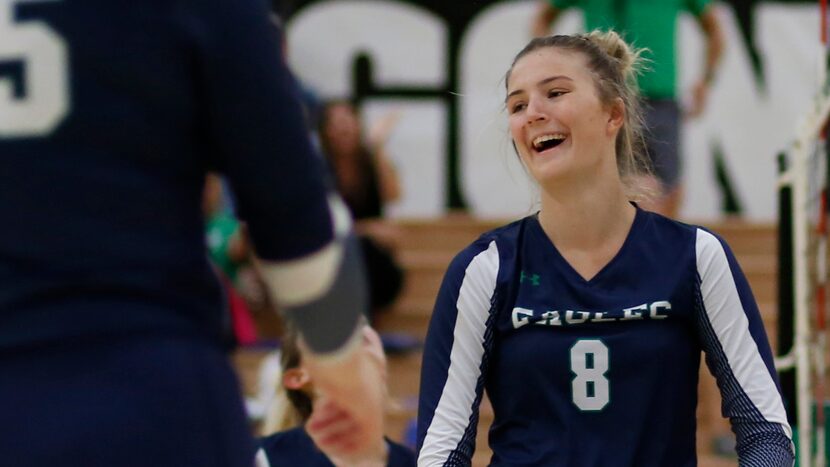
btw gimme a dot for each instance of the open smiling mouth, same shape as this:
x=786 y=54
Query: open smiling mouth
x=543 y=143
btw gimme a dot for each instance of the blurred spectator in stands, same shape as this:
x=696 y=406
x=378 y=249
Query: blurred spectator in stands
x=296 y=402
x=367 y=181
x=230 y=252
x=653 y=26
x=226 y=242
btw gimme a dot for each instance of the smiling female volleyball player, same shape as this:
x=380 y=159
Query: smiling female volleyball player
x=585 y=322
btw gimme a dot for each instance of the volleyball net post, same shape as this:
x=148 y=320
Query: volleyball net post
x=803 y=270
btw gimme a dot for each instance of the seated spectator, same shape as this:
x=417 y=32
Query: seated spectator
x=309 y=445
x=367 y=181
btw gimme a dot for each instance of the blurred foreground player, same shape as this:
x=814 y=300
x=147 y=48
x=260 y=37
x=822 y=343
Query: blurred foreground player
x=299 y=443
x=111 y=112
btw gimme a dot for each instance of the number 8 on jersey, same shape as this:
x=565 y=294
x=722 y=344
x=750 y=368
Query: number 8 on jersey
x=589 y=363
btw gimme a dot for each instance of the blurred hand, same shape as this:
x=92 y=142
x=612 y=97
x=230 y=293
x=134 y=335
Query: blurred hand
x=700 y=93
x=347 y=420
x=379 y=132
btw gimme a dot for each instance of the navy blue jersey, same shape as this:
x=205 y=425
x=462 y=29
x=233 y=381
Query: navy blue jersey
x=143 y=401
x=599 y=372
x=115 y=110
x=295 y=447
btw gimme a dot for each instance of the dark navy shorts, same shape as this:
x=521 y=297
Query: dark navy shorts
x=129 y=402
x=663 y=140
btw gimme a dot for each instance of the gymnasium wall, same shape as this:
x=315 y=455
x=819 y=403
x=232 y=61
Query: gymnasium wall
x=441 y=65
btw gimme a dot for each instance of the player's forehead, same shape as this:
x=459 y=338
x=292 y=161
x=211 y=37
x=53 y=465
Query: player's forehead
x=545 y=63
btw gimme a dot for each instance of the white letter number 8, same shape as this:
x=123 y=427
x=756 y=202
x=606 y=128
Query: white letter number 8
x=589 y=362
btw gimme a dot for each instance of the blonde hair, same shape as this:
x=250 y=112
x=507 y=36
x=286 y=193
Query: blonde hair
x=615 y=66
x=289 y=407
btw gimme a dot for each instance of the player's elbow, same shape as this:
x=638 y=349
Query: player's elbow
x=766 y=447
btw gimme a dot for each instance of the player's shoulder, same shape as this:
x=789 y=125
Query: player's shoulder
x=506 y=235
x=702 y=239
x=498 y=243
x=668 y=229
x=711 y=248
x=490 y=257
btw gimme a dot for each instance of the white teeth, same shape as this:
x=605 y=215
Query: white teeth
x=541 y=139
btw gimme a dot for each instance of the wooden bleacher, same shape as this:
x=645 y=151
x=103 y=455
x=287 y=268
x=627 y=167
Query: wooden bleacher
x=425 y=249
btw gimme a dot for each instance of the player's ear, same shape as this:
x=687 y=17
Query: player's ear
x=616 y=115
x=295 y=378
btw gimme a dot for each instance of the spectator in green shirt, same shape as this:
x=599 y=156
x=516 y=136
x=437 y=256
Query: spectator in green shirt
x=226 y=242
x=652 y=24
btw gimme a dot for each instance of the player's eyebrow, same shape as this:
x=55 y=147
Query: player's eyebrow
x=540 y=83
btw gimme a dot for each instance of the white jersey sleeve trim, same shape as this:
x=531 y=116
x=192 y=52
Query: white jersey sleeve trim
x=731 y=327
x=455 y=407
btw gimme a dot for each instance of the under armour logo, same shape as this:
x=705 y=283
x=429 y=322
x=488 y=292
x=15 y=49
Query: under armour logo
x=533 y=278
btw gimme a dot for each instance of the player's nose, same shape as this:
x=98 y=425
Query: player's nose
x=535 y=111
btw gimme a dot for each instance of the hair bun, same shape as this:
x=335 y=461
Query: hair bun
x=628 y=58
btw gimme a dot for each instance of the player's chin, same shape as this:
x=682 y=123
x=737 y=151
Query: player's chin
x=345 y=444
x=343 y=440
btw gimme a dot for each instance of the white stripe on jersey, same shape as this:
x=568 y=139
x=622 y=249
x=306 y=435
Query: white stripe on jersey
x=261 y=459
x=728 y=319
x=452 y=415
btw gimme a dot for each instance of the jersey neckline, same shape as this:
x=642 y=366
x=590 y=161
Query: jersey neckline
x=563 y=264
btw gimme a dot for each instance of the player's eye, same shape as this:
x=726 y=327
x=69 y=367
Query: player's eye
x=517 y=107
x=556 y=93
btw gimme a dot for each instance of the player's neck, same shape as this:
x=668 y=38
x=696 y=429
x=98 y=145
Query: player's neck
x=587 y=218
